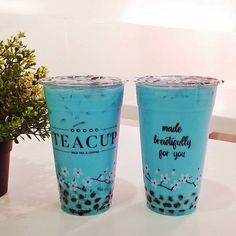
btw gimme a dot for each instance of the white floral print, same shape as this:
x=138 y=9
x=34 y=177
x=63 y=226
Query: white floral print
x=73 y=185
x=146 y=168
x=165 y=178
x=61 y=180
x=78 y=172
x=184 y=177
x=88 y=181
x=154 y=183
x=64 y=171
x=175 y=185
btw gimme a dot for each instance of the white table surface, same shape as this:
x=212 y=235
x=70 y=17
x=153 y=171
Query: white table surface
x=31 y=207
x=224 y=112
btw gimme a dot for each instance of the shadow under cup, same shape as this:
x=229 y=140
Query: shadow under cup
x=174 y=114
x=84 y=116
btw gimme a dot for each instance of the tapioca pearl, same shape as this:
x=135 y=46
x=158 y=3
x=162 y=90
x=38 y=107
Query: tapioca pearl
x=177 y=205
x=81 y=196
x=96 y=206
x=84 y=130
x=65 y=193
x=145 y=188
x=149 y=198
x=195 y=199
x=83 y=212
x=161 y=197
x=73 y=199
x=80 y=213
x=107 y=202
x=167 y=204
x=87 y=202
x=186 y=202
x=90 y=130
x=161 y=210
x=65 y=200
x=96 y=130
x=152 y=206
x=171 y=211
x=102 y=208
x=79 y=206
x=152 y=193
x=97 y=199
x=170 y=199
x=191 y=206
x=157 y=201
x=93 y=194
x=193 y=194
x=73 y=211
x=180 y=197
x=183 y=210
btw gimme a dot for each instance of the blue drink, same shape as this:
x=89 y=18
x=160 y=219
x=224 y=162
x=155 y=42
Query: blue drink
x=84 y=116
x=174 y=114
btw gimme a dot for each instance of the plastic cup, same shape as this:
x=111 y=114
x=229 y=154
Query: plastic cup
x=174 y=114
x=84 y=116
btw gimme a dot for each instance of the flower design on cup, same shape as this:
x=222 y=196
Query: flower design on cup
x=64 y=171
x=175 y=185
x=73 y=185
x=78 y=172
x=173 y=171
x=184 y=178
x=88 y=182
x=164 y=178
x=110 y=177
x=154 y=183
x=146 y=168
x=61 y=180
x=83 y=196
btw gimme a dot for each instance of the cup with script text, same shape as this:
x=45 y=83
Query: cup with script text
x=174 y=114
x=84 y=114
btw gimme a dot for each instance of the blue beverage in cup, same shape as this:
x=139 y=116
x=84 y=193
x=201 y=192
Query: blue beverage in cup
x=174 y=113
x=84 y=114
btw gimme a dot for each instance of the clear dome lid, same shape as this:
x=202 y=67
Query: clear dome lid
x=177 y=81
x=83 y=81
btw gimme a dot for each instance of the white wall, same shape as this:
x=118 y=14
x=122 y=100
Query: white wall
x=86 y=38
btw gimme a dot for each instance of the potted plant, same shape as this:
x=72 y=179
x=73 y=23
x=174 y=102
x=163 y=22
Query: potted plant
x=22 y=105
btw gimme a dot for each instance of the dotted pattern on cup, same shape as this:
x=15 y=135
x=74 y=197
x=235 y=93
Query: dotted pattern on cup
x=84 y=202
x=170 y=205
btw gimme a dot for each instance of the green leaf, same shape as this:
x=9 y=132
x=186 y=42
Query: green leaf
x=22 y=104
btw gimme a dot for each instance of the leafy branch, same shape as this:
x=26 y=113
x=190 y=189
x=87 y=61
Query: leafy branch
x=22 y=105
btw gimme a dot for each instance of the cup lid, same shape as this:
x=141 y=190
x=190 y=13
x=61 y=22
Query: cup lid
x=177 y=81
x=82 y=81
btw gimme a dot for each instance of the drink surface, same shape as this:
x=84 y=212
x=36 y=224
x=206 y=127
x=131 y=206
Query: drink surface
x=84 y=122
x=174 y=124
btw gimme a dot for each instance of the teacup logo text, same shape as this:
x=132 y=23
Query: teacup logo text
x=173 y=142
x=84 y=143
